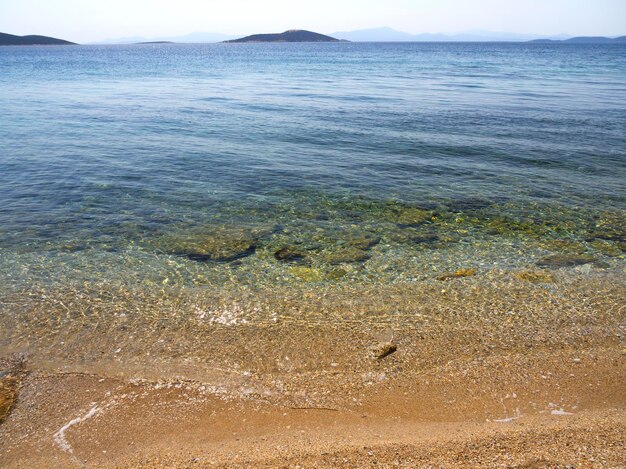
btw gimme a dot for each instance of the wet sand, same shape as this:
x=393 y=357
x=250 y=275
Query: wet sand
x=489 y=371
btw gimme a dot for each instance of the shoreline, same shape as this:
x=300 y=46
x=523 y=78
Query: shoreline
x=76 y=420
x=486 y=370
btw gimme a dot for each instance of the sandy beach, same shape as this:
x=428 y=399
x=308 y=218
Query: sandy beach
x=468 y=372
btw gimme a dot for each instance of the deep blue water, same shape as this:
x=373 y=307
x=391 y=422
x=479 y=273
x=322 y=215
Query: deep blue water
x=107 y=146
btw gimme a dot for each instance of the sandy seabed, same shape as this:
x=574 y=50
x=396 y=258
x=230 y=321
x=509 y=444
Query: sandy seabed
x=501 y=370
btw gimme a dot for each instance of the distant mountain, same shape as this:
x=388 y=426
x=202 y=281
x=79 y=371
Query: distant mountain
x=193 y=38
x=123 y=40
x=374 y=35
x=201 y=37
x=586 y=40
x=11 y=40
x=387 y=34
x=384 y=34
x=293 y=35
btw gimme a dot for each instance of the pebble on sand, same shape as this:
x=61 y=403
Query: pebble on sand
x=384 y=349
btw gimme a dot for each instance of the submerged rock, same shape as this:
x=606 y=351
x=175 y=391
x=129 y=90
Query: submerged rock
x=608 y=248
x=220 y=244
x=308 y=274
x=9 y=384
x=506 y=226
x=610 y=226
x=564 y=246
x=363 y=241
x=336 y=274
x=424 y=238
x=557 y=261
x=431 y=238
x=8 y=395
x=313 y=274
x=345 y=256
x=290 y=253
x=410 y=216
x=609 y=235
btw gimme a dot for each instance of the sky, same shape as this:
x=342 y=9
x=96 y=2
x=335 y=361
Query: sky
x=95 y=20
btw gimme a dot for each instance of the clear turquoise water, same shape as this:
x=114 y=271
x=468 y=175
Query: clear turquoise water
x=264 y=164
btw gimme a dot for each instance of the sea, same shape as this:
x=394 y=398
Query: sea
x=202 y=172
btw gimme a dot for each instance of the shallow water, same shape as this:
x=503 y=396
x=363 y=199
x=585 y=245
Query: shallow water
x=151 y=168
x=114 y=154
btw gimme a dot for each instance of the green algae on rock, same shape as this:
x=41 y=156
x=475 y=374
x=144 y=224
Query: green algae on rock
x=566 y=246
x=609 y=248
x=503 y=225
x=336 y=274
x=390 y=211
x=316 y=274
x=307 y=274
x=609 y=226
x=408 y=216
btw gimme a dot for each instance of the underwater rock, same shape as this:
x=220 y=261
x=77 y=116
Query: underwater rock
x=415 y=237
x=501 y=225
x=535 y=276
x=220 y=244
x=564 y=246
x=312 y=274
x=383 y=350
x=411 y=216
x=9 y=384
x=557 y=261
x=336 y=274
x=363 y=242
x=290 y=253
x=458 y=274
x=609 y=248
x=308 y=274
x=609 y=235
x=8 y=395
x=359 y=208
x=345 y=256
x=424 y=238
x=610 y=226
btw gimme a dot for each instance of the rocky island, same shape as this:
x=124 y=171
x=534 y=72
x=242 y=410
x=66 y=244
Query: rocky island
x=293 y=35
x=12 y=40
x=585 y=40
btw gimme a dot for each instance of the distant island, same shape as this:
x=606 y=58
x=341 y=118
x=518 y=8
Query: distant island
x=384 y=34
x=293 y=35
x=585 y=40
x=12 y=40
